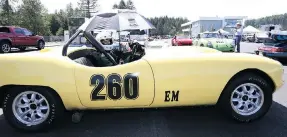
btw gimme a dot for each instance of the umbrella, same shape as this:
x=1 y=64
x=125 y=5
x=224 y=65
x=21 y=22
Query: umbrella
x=119 y=20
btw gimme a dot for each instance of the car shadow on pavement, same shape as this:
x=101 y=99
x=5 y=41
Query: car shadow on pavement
x=171 y=122
x=14 y=50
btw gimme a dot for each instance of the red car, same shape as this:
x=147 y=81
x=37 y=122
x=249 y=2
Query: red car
x=181 y=41
x=21 y=38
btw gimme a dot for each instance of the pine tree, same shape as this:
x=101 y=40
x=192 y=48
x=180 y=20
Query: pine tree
x=125 y=5
x=88 y=7
x=7 y=11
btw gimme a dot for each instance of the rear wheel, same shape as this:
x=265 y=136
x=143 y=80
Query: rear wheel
x=32 y=109
x=246 y=98
x=201 y=45
x=5 y=47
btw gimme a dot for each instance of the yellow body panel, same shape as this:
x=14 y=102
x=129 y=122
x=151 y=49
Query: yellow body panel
x=195 y=75
x=141 y=68
x=201 y=77
x=54 y=72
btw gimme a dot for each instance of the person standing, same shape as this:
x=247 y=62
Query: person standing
x=238 y=36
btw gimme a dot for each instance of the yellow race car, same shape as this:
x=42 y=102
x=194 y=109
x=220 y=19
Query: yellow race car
x=36 y=89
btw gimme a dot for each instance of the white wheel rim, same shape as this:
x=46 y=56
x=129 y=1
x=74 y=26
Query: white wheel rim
x=247 y=99
x=31 y=108
x=5 y=48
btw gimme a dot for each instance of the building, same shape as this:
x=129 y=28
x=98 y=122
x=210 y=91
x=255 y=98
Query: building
x=204 y=24
x=187 y=28
x=229 y=22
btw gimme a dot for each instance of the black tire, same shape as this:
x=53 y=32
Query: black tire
x=53 y=116
x=5 y=47
x=225 y=98
x=41 y=45
x=201 y=45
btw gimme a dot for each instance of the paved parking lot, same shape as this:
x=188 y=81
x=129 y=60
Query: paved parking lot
x=172 y=122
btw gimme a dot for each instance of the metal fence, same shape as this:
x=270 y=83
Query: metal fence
x=53 y=38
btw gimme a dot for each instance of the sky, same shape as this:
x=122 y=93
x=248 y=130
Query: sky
x=191 y=9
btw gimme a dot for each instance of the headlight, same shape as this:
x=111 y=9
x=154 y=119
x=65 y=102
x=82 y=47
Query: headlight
x=209 y=44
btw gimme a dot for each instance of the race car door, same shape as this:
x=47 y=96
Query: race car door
x=126 y=85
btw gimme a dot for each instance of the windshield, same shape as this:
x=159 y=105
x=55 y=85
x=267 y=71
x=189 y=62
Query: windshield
x=211 y=35
x=181 y=37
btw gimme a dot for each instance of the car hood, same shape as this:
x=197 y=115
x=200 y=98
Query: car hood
x=178 y=52
x=184 y=39
x=215 y=40
x=192 y=52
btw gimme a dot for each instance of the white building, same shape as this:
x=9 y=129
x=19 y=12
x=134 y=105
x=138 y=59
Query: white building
x=203 y=24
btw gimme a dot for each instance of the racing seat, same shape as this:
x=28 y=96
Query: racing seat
x=84 y=61
x=90 y=57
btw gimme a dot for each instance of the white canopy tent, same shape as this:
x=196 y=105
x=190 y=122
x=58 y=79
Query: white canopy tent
x=250 y=29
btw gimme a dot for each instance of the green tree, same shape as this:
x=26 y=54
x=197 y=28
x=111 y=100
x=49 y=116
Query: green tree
x=88 y=7
x=54 y=24
x=60 y=32
x=167 y=25
x=70 y=10
x=280 y=19
x=130 y=5
x=7 y=12
x=125 y=5
x=62 y=18
x=32 y=15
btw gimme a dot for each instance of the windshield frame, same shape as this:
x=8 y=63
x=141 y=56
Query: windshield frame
x=93 y=42
x=207 y=35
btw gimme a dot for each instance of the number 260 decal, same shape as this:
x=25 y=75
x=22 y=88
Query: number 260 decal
x=117 y=87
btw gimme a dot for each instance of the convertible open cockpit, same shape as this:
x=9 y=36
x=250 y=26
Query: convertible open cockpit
x=98 y=57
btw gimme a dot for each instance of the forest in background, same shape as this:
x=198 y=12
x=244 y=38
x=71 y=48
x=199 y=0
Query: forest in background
x=280 y=19
x=33 y=15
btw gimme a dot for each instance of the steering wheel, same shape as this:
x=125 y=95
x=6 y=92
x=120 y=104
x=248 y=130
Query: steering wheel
x=93 y=42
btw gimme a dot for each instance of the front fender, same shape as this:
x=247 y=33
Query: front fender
x=6 y=39
x=39 y=70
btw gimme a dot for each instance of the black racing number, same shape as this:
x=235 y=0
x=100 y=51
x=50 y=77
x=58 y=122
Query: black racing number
x=131 y=84
x=117 y=87
x=98 y=81
x=114 y=86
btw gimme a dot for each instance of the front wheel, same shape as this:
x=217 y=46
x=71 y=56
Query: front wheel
x=246 y=98
x=41 y=45
x=32 y=109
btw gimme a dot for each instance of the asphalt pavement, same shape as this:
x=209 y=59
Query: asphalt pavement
x=169 y=122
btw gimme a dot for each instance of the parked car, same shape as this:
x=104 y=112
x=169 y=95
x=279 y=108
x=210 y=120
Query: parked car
x=21 y=38
x=216 y=41
x=181 y=41
x=274 y=47
x=240 y=84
